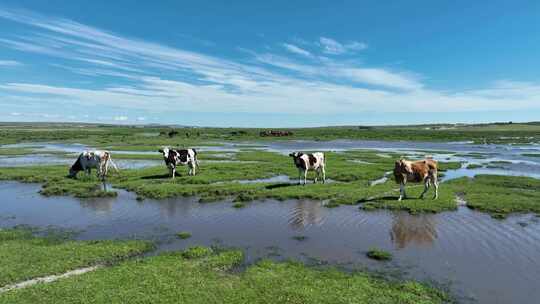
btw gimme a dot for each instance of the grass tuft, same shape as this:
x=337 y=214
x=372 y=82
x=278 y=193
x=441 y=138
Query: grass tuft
x=183 y=235
x=378 y=254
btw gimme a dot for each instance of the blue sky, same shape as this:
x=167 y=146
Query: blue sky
x=280 y=63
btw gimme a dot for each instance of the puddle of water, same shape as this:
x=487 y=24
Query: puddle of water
x=489 y=260
x=32 y=160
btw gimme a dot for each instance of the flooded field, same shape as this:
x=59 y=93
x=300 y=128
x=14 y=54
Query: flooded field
x=478 y=258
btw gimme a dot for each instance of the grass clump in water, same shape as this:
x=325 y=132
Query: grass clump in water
x=183 y=235
x=474 y=166
x=378 y=254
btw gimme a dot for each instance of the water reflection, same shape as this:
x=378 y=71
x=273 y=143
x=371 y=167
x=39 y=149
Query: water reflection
x=305 y=213
x=407 y=228
x=102 y=205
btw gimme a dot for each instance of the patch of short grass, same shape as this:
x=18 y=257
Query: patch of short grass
x=205 y=278
x=474 y=166
x=378 y=254
x=531 y=154
x=500 y=195
x=386 y=197
x=25 y=256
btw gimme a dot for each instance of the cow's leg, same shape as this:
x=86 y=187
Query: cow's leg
x=194 y=165
x=323 y=174
x=402 y=193
x=173 y=172
x=305 y=176
x=436 y=186
x=317 y=173
x=299 y=176
x=427 y=181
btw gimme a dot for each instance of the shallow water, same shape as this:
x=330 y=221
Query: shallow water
x=491 y=261
x=519 y=164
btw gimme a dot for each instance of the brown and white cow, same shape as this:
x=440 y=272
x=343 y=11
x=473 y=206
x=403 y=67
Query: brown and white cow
x=305 y=162
x=93 y=159
x=417 y=172
x=175 y=157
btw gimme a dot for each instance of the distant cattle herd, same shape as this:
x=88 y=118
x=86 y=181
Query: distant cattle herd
x=422 y=171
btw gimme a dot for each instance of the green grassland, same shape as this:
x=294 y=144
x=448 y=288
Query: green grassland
x=25 y=256
x=143 y=138
x=202 y=275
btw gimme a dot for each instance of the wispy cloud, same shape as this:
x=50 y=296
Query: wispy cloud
x=332 y=47
x=296 y=50
x=9 y=63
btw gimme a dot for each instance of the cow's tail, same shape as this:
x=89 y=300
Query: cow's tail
x=196 y=159
x=110 y=161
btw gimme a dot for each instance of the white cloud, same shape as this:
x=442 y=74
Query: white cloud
x=9 y=63
x=332 y=47
x=296 y=50
x=120 y=118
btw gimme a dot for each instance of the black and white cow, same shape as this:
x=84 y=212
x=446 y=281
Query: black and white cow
x=305 y=162
x=175 y=157
x=100 y=160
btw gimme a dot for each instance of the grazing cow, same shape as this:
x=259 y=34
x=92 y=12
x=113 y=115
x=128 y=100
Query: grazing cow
x=305 y=162
x=175 y=157
x=92 y=159
x=416 y=171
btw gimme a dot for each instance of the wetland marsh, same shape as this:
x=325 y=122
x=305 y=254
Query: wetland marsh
x=479 y=242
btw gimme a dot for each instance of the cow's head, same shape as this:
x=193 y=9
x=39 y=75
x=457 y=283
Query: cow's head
x=403 y=167
x=75 y=168
x=295 y=154
x=165 y=152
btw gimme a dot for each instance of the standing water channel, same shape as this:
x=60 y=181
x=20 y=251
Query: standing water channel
x=479 y=259
x=476 y=257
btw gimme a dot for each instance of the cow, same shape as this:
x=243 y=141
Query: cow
x=305 y=162
x=175 y=157
x=422 y=171
x=92 y=159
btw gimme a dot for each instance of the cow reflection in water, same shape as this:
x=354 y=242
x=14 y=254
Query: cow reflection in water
x=407 y=228
x=101 y=204
x=305 y=213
